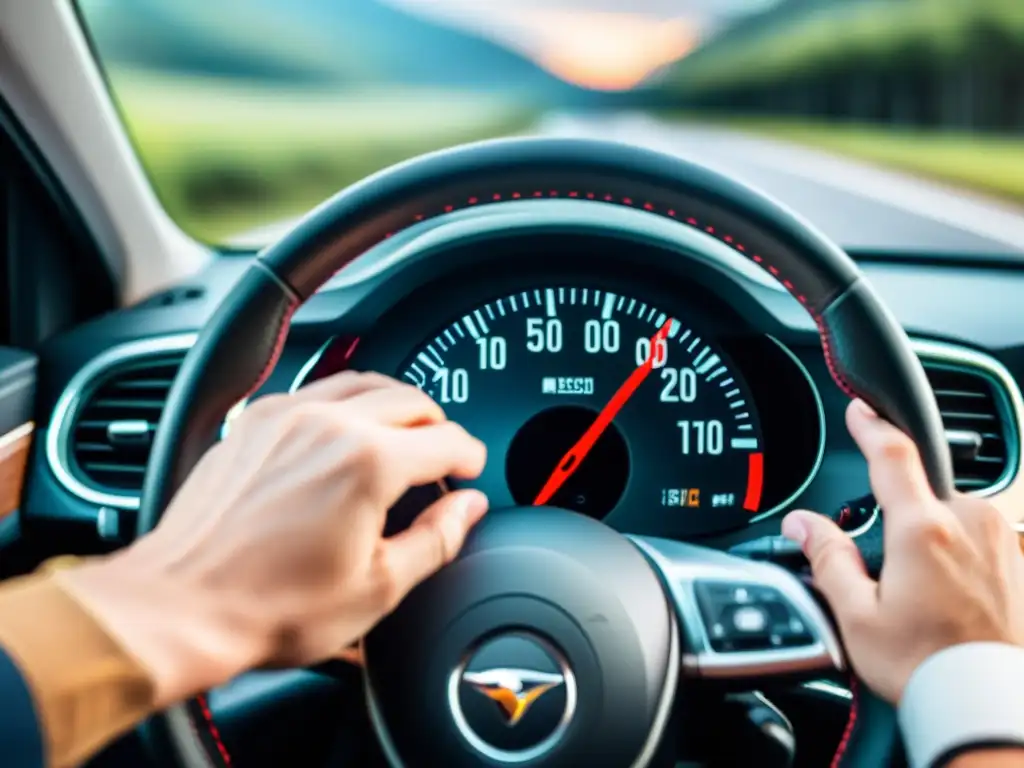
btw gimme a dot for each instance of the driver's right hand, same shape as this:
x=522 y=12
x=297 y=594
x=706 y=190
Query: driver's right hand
x=953 y=571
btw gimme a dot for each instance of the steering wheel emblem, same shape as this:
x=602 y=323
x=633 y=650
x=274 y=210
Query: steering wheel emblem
x=514 y=690
x=513 y=697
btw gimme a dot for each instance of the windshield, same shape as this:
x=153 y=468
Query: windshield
x=246 y=113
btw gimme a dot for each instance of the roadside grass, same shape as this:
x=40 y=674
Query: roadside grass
x=991 y=164
x=225 y=159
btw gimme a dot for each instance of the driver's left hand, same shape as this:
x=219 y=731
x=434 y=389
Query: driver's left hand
x=272 y=552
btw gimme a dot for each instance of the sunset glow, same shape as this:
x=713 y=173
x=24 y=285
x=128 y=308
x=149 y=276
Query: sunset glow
x=607 y=51
x=593 y=49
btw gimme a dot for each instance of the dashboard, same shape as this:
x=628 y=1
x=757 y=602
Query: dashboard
x=619 y=367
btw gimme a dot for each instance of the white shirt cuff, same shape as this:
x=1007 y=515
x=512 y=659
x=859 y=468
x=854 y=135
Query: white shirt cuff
x=963 y=696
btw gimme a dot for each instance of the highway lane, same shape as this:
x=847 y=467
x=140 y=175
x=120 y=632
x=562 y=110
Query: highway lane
x=862 y=207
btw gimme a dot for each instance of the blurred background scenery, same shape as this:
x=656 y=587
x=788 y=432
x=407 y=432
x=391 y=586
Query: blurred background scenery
x=246 y=113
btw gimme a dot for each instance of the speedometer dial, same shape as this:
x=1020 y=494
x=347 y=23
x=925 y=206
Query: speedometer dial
x=597 y=401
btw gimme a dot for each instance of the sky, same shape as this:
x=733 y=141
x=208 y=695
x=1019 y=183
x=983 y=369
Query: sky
x=604 y=44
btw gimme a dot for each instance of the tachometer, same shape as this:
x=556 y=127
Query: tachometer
x=594 y=401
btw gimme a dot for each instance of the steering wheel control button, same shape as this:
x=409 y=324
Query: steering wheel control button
x=514 y=698
x=749 y=617
x=749 y=620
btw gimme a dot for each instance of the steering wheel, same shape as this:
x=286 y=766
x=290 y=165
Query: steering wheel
x=552 y=639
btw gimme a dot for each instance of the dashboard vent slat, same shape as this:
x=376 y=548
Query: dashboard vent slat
x=111 y=431
x=971 y=403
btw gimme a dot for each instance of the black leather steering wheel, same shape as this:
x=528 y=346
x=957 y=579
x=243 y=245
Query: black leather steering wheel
x=615 y=649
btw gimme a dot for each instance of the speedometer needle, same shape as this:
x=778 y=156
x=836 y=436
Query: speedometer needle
x=571 y=461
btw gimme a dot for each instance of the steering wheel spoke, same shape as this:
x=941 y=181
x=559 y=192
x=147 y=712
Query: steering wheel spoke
x=741 y=619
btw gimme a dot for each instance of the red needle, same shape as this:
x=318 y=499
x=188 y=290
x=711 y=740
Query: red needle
x=575 y=456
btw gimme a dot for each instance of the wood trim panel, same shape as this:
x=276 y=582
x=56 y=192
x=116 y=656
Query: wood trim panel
x=14 y=452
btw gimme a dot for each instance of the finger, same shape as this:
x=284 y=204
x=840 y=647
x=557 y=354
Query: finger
x=341 y=386
x=897 y=476
x=836 y=563
x=429 y=454
x=401 y=405
x=433 y=540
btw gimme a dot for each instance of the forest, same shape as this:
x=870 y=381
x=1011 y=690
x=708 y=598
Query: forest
x=951 y=64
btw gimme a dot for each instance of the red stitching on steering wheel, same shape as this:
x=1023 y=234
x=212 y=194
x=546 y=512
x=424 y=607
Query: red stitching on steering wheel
x=851 y=723
x=211 y=728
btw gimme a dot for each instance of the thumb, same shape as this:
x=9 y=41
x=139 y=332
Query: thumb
x=838 y=568
x=434 y=538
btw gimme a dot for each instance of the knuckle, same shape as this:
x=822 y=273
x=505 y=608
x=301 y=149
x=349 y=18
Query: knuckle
x=424 y=400
x=351 y=377
x=898 y=448
x=263 y=407
x=931 y=532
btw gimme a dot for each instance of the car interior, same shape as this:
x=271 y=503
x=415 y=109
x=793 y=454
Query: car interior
x=657 y=352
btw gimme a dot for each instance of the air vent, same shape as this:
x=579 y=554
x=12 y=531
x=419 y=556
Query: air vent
x=113 y=430
x=102 y=431
x=977 y=403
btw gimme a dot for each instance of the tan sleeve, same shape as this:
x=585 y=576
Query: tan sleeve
x=87 y=690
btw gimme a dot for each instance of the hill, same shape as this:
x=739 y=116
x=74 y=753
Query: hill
x=312 y=42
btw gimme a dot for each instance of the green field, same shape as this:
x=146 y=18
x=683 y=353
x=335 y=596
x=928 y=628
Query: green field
x=986 y=163
x=225 y=158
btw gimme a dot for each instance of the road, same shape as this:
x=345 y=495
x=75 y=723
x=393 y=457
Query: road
x=860 y=206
